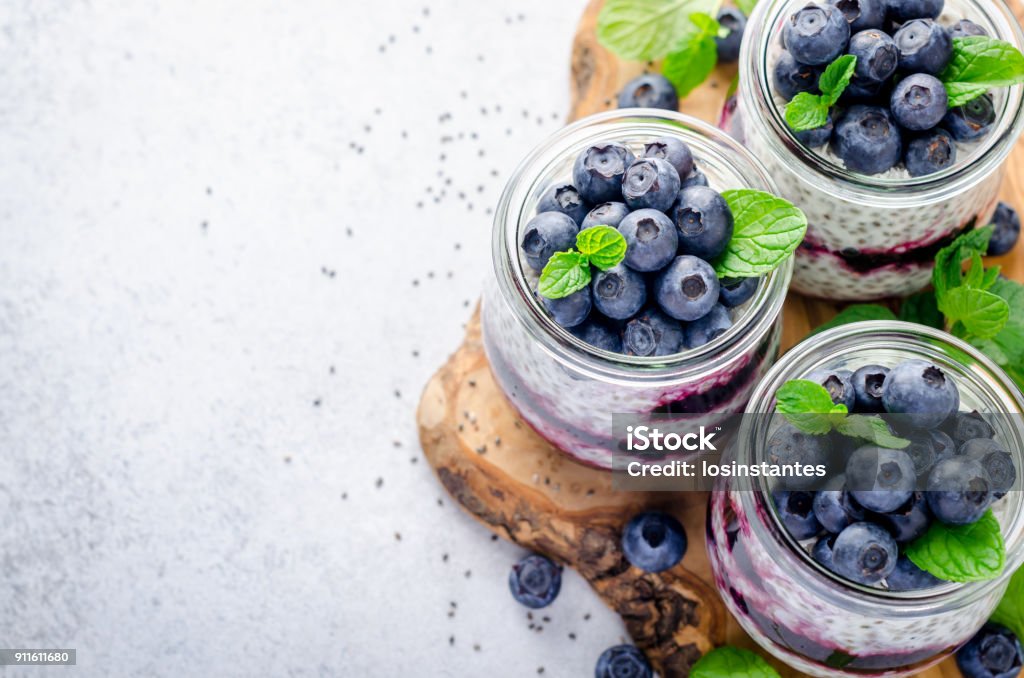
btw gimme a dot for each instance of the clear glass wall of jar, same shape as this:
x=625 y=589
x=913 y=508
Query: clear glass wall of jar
x=870 y=236
x=567 y=389
x=795 y=608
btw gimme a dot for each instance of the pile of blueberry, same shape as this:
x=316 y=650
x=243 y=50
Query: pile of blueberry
x=895 y=108
x=952 y=472
x=664 y=297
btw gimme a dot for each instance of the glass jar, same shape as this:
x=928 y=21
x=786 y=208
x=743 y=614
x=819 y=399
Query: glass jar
x=870 y=236
x=567 y=389
x=799 y=611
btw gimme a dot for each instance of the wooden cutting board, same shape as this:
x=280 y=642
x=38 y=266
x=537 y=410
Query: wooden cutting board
x=506 y=476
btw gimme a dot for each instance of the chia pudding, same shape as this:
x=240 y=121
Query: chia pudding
x=870 y=236
x=563 y=385
x=797 y=606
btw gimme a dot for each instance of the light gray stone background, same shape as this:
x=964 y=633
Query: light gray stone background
x=236 y=238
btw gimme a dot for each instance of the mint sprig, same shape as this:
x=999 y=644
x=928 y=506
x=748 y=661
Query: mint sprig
x=569 y=272
x=643 y=30
x=695 y=56
x=808 y=111
x=604 y=246
x=1010 y=612
x=732 y=662
x=961 y=553
x=766 y=230
x=978 y=64
x=808 y=406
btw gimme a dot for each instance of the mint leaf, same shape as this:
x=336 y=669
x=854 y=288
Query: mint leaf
x=961 y=553
x=948 y=271
x=641 y=30
x=603 y=246
x=857 y=313
x=1007 y=347
x=1010 y=612
x=690 y=64
x=806 y=111
x=921 y=308
x=746 y=6
x=732 y=662
x=766 y=230
x=982 y=313
x=565 y=273
x=806 y=405
x=978 y=64
x=873 y=429
x=835 y=78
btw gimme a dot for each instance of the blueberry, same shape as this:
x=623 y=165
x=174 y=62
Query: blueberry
x=867 y=139
x=931 y=152
x=673 y=151
x=790 y=78
x=921 y=391
x=924 y=46
x=599 y=335
x=597 y=172
x=623 y=661
x=619 y=292
x=944 y=445
x=997 y=462
x=653 y=541
x=651 y=90
x=605 y=214
x=970 y=425
x=735 y=291
x=566 y=199
x=877 y=56
x=652 y=333
x=838 y=383
x=871 y=93
x=545 y=234
x=789 y=445
x=816 y=137
x=921 y=451
x=569 y=311
x=816 y=34
x=867 y=388
x=704 y=222
x=965 y=28
x=918 y=102
x=971 y=121
x=707 y=329
x=535 y=581
x=1007 y=230
x=864 y=553
x=907 y=522
x=880 y=479
x=862 y=14
x=905 y=10
x=796 y=510
x=651 y=239
x=650 y=183
x=696 y=178
x=733 y=21
x=909 y=577
x=959 y=491
x=994 y=652
x=687 y=288
x=822 y=551
x=834 y=507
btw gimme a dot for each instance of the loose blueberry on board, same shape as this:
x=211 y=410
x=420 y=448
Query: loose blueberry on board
x=959 y=491
x=696 y=178
x=599 y=335
x=971 y=121
x=597 y=172
x=921 y=391
x=862 y=14
x=619 y=292
x=931 y=152
x=880 y=479
x=867 y=388
x=703 y=221
x=970 y=425
x=652 y=333
x=834 y=508
x=919 y=102
x=673 y=151
x=687 y=288
x=905 y=10
x=877 y=56
x=838 y=383
x=569 y=311
x=733 y=21
x=925 y=47
x=790 y=77
x=790 y=445
x=651 y=90
x=909 y=577
x=566 y=199
x=707 y=329
x=822 y=551
x=997 y=462
x=651 y=239
x=535 y=581
x=605 y=214
x=965 y=28
x=735 y=291
x=1007 y=230
x=816 y=34
x=816 y=137
x=865 y=553
x=650 y=183
x=623 y=661
x=545 y=234
x=796 y=510
x=994 y=652
x=867 y=139
x=653 y=541
x=909 y=521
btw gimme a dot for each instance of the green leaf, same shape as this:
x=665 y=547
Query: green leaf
x=857 y=313
x=960 y=93
x=982 y=313
x=690 y=64
x=975 y=272
x=746 y=6
x=806 y=111
x=766 y=230
x=874 y=429
x=732 y=662
x=1010 y=612
x=1007 y=347
x=978 y=64
x=565 y=273
x=921 y=308
x=806 y=405
x=604 y=246
x=641 y=30
x=835 y=78
x=947 y=273
x=961 y=553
